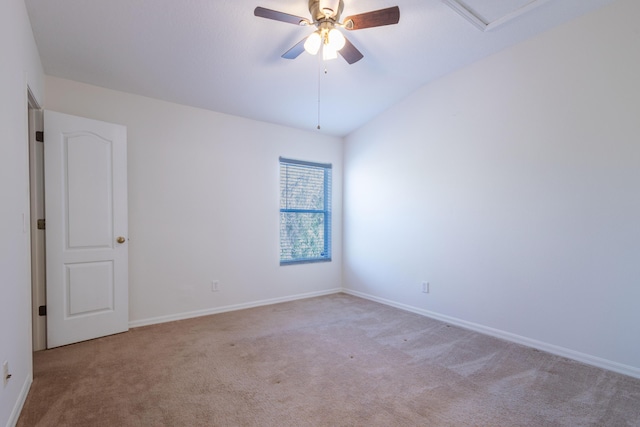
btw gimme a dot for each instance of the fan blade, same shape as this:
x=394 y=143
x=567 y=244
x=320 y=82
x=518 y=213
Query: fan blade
x=350 y=53
x=280 y=16
x=296 y=50
x=377 y=18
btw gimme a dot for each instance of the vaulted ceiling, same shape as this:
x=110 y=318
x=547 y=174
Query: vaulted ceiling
x=217 y=55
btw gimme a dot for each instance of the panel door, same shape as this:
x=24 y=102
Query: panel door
x=85 y=164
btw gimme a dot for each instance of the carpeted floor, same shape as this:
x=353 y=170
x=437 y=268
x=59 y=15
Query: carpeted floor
x=335 y=360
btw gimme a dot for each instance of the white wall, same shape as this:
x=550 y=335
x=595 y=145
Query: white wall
x=513 y=187
x=20 y=66
x=203 y=203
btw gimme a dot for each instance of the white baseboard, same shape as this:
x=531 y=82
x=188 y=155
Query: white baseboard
x=216 y=310
x=22 y=397
x=550 y=348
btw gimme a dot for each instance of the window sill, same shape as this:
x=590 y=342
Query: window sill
x=304 y=261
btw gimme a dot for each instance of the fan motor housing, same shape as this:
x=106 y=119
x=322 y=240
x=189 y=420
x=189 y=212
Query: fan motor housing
x=318 y=14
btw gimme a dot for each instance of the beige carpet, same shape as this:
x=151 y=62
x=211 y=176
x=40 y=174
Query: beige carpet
x=336 y=360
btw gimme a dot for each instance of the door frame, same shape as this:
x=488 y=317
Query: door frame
x=36 y=211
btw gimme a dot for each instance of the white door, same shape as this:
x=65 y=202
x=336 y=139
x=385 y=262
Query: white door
x=85 y=164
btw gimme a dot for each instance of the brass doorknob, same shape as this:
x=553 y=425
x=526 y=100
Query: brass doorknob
x=120 y=239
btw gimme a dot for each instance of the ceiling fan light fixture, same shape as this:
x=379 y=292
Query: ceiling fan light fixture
x=312 y=45
x=328 y=53
x=326 y=17
x=336 y=39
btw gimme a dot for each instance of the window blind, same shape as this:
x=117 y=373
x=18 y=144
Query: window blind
x=305 y=211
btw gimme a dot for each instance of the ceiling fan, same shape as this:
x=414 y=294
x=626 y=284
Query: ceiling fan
x=326 y=17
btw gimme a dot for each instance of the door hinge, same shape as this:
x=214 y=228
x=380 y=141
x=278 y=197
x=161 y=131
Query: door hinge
x=42 y=224
x=42 y=310
x=39 y=136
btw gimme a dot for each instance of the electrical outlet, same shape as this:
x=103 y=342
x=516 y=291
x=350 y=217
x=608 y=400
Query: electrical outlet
x=5 y=373
x=215 y=285
x=425 y=287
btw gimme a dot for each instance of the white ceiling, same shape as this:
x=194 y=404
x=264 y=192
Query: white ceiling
x=217 y=55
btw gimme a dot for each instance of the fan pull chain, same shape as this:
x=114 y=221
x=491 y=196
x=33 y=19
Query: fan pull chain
x=325 y=71
x=318 y=98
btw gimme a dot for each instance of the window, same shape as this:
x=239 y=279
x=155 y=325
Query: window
x=305 y=212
